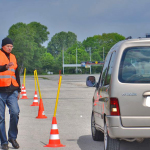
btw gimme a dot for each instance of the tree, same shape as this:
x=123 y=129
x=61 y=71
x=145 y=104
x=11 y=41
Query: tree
x=57 y=63
x=23 y=39
x=27 y=40
x=47 y=61
x=37 y=60
x=41 y=33
x=98 y=42
x=60 y=41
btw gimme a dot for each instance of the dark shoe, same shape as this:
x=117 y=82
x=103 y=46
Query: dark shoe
x=5 y=146
x=14 y=143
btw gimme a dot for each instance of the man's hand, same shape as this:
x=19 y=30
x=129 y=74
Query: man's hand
x=18 y=96
x=9 y=65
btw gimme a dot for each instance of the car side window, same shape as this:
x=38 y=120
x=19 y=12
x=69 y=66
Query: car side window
x=110 y=67
x=105 y=68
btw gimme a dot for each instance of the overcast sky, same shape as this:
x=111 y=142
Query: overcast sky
x=85 y=18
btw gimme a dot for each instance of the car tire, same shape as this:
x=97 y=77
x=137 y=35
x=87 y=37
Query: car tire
x=109 y=143
x=96 y=134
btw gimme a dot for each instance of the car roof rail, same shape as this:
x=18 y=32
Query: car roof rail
x=147 y=35
x=130 y=37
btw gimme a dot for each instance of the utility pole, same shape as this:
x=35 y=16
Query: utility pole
x=63 y=60
x=90 y=59
x=76 y=61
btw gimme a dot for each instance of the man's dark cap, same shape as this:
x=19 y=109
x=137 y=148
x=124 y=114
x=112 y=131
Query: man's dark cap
x=6 y=41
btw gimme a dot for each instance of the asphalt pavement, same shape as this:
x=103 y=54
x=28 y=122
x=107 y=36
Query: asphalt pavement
x=73 y=115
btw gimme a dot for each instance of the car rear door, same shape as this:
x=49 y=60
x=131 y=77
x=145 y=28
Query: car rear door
x=134 y=87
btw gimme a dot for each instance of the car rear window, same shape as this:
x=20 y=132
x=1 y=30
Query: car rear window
x=135 y=65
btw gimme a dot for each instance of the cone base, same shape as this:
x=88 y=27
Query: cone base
x=54 y=145
x=41 y=117
x=34 y=104
x=25 y=97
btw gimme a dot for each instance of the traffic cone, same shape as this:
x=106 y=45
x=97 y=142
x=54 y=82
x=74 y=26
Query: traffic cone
x=41 y=113
x=54 y=140
x=22 y=88
x=35 y=100
x=24 y=95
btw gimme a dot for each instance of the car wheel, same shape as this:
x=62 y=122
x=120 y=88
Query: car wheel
x=109 y=143
x=96 y=134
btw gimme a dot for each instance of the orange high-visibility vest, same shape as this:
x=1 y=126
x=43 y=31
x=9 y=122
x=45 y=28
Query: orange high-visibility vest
x=7 y=77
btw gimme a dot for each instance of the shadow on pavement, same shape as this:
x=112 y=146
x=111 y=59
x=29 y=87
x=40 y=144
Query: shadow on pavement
x=145 y=145
x=43 y=143
x=86 y=142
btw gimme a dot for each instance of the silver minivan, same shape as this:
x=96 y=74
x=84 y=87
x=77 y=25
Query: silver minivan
x=121 y=102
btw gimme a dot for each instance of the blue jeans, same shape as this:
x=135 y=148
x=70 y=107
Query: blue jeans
x=11 y=100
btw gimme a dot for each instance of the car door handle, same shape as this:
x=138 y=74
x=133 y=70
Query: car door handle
x=146 y=94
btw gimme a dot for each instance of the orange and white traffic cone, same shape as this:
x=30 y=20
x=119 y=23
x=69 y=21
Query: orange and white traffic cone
x=22 y=88
x=41 y=114
x=35 y=100
x=24 y=95
x=54 y=140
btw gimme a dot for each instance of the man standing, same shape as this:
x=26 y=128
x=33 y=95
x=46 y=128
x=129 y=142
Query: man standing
x=9 y=93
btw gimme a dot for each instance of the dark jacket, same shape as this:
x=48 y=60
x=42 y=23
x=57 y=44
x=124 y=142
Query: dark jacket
x=10 y=88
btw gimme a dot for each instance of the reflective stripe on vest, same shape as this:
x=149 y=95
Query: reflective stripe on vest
x=13 y=70
x=13 y=77
x=1 y=77
x=7 y=76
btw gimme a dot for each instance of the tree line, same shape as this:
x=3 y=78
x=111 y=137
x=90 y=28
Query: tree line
x=30 y=54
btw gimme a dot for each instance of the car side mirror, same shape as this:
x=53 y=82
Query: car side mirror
x=91 y=81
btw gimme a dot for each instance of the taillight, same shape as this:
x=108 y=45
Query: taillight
x=114 y=107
